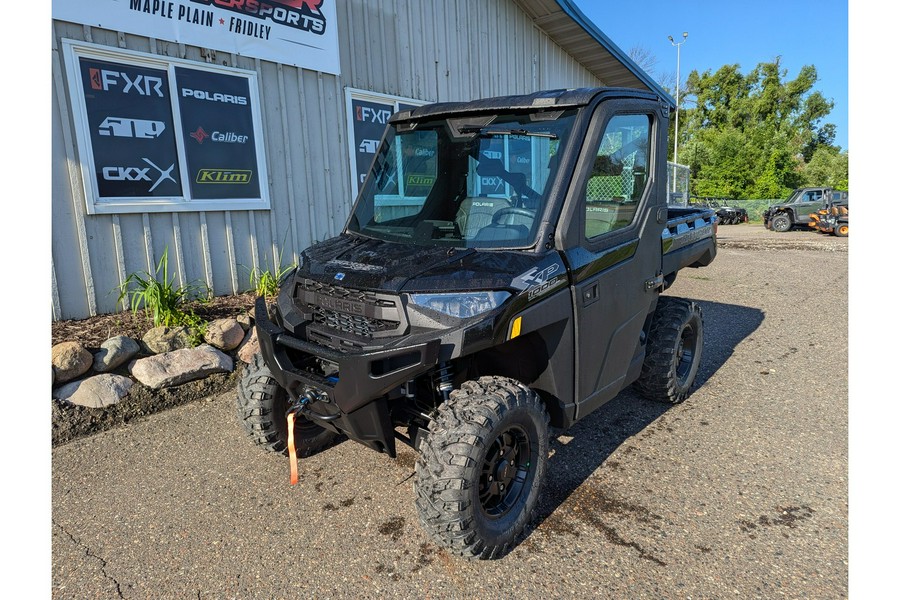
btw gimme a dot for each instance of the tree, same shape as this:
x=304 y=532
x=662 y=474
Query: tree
x=829 y=167
x=757 y=135
x=647 y=61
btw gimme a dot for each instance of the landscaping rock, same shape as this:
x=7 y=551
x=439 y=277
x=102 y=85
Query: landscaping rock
x=249 y=346
x=70 y=360
x=180 y=366
x=114 y=352
x=224 y=334
x=245 y=320
x=95 y=392
x=166 y=339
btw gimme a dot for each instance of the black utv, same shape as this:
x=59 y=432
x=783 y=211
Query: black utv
x=499 y=275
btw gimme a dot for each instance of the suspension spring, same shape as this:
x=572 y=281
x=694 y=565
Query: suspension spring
x=443 y=379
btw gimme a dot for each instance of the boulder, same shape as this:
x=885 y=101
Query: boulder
x=180 y=366
x=114 y=352
x=245 y=320
x=95 y=392
x=224 y=334
x=249 y=346
x=166 y=339
x=70 y=360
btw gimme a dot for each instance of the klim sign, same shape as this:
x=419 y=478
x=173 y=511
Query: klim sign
x=294 y=32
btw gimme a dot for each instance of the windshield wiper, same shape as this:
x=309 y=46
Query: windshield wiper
x=494 y=132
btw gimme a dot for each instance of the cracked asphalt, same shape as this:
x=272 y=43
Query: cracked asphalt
x=741 y=491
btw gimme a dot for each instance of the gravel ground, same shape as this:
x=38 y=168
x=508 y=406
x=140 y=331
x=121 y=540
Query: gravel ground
x=741 y=491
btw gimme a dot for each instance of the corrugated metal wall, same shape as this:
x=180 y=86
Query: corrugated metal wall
x=442 y=50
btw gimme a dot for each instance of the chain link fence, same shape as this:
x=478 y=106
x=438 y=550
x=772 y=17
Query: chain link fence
x=678 y=183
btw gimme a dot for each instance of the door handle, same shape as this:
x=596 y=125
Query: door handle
x=590 y=293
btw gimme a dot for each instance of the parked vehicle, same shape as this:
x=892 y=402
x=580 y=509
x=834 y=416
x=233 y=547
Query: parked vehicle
x=500 y=274
x=836 y=219
x=799 y=207
x=724 y=208
x=826 y=218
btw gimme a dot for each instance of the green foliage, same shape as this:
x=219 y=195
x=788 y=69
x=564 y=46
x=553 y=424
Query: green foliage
x=161 y=298
x=758 y=135
x=266 y=282
x=827 y=167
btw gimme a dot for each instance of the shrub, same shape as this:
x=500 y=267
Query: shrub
x=265 y=282
x=161 y=298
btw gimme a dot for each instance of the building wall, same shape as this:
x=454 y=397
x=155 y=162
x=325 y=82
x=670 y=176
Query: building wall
x=443 y=50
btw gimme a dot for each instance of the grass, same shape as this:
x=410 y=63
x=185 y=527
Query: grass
x=266 y=282
x=157 y=294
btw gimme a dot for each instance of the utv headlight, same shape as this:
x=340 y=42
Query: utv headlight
x=461 y=306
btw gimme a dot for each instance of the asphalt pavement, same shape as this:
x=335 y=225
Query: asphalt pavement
x=740 y=492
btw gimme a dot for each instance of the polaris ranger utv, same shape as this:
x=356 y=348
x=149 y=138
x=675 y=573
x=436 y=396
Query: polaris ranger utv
x=500 y=273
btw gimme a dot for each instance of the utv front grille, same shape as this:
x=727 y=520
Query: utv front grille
x=359 y=313
x=355 y=324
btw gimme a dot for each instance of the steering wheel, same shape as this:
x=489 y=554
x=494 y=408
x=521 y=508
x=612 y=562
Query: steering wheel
x=512 y=210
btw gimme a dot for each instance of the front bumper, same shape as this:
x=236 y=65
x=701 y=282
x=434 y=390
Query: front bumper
x=355 y=401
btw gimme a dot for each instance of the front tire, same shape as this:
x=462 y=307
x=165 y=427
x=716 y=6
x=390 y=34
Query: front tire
x=262 y=409
x=674 y=349
x=481 y=467
x=781 y=223
x=842 y=230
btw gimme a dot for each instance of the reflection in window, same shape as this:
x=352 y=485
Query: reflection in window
x=406 y=180
x=619 y=175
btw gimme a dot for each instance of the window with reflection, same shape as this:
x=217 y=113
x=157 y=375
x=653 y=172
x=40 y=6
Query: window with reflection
x=619 y=175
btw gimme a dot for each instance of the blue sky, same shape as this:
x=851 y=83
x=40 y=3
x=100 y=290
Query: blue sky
x=720 y=32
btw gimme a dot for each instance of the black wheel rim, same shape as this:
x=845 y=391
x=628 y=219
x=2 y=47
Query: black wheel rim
x=507 y=471
x=685 y=354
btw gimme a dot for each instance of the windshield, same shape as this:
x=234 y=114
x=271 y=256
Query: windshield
x=474 y=182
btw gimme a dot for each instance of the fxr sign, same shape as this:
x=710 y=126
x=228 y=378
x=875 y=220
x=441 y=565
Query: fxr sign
x=144 y=85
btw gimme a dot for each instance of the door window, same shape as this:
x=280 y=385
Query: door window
x=619 y=175
x=812 y=196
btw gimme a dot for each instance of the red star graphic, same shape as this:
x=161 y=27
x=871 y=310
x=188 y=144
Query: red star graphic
x=221 y=21
x=200 y=135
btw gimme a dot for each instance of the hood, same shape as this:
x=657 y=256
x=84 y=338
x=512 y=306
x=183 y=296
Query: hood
x=363 y=263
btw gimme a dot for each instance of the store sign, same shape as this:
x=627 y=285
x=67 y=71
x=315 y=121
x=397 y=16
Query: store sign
x=160 y=134
x=369 y=114
x=217 y=126
x=369 y=122
x=293 y=32
x=129 y=116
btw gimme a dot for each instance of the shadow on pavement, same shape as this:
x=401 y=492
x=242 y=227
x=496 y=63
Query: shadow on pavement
x=598 y=435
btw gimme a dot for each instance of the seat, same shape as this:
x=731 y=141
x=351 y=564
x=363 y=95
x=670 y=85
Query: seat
x=475 y=213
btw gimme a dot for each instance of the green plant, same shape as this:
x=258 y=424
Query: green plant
x=265 y=282
x=160 y=297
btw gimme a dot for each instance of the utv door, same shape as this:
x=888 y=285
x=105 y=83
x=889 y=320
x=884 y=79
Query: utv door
x=614 y=215
x=810 y=202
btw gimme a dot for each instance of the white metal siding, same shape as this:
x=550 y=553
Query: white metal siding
x=433 y=51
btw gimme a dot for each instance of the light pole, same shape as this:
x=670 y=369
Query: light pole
x=677 y=89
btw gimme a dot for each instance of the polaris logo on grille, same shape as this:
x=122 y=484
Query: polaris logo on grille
x=341 y=305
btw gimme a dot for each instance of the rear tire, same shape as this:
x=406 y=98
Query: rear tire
x=481 y=467
x=262 y=409
x=842 y=230
x=674 y=350
x=781 y=223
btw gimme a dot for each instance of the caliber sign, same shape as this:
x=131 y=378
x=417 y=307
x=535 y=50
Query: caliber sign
x=217 y=126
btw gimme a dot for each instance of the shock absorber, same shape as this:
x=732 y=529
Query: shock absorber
x=443 y=380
